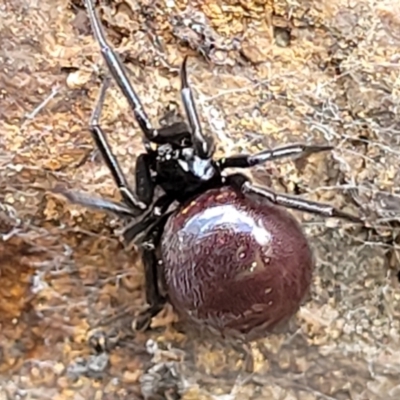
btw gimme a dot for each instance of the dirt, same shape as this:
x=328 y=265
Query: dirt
x=264 y=73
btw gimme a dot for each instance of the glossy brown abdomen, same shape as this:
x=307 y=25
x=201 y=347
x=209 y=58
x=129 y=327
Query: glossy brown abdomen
x=234 y=264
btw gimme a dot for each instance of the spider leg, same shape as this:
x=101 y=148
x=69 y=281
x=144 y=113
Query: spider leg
x=111 y=161
x=144 y=182
x=202 y=145
x=135 y=228
x=97 y=203
x=246 y=160
x=154 y=298
x=119 y=74
x=243 y=184
x=174 y=133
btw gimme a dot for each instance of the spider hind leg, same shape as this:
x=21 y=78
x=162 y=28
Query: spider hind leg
x=154 y=298
x=243 y=184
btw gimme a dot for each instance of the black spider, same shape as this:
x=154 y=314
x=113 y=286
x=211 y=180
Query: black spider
x=179 y=159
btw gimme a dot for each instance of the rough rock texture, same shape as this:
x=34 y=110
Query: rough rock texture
x=265 y=73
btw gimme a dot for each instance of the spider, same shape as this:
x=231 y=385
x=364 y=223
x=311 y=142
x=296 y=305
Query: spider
x=231 y=256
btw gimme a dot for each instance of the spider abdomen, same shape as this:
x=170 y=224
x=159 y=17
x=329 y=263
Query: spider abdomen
x=235 y=264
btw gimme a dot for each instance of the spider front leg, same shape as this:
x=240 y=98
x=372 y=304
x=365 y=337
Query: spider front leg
x=119 y=74
x=248 y=160
x=243 y=184
x=140 y=201
x=203 y=146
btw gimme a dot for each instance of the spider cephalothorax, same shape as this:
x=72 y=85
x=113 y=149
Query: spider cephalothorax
x=231 y=256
